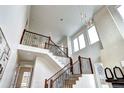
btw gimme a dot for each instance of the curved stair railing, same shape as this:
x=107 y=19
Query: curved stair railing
x=67 y=76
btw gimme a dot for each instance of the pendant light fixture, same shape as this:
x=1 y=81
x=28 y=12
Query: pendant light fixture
x=84 y=17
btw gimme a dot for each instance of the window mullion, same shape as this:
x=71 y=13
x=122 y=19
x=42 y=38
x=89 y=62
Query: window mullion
x=78 y=43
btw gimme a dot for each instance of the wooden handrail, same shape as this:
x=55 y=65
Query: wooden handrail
x=89 y=61
x=66 y=70
x=36 y=33
x=49 y=41
x=59 y=71
x=59 y=48
x=71 y=68
x=65 y=51
x=84 y=57
x=31 y=33
x=22 y=36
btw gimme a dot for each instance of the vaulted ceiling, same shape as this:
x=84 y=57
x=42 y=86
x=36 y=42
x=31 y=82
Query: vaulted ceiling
x=61 y=20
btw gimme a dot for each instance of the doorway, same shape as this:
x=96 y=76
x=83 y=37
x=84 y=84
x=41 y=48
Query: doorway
x=24 y=77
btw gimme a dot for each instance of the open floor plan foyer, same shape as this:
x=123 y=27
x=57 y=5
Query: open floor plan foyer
x=62 y=46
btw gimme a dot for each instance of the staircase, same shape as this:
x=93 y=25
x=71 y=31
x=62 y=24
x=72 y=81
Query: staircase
x=68 y=83
x=70 y=73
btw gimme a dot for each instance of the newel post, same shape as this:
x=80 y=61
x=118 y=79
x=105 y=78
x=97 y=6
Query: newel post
x=71 y=65
x=49 y=41
x=46 y=84
x=91 y=65
x=51 y=83
x=80 y=65
x=67 y=51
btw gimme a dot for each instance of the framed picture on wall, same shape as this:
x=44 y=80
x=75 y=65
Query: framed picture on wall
x=99 y=69
x=4 y=53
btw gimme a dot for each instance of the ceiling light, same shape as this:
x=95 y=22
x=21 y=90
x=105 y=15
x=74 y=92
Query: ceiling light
x=61 y=19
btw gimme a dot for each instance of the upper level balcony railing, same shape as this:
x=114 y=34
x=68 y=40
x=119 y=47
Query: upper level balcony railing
x=42 y=41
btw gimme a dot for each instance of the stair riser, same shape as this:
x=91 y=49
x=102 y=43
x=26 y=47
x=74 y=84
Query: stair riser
x=73 y=78
x=68 y=86
x=71 y=81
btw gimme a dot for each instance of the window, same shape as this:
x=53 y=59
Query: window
x=93 y=35
x=121 y=11
x=79 y=43
x=76 y=47
x=25 y=80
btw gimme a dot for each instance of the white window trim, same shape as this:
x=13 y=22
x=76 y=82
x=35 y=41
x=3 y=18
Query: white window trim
x=78 y=43
x=89 y=42
x=86 y=39
x=73 y=44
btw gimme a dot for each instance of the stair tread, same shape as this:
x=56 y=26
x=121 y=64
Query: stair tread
x=75 y=75
x=72 y=79
x=68 y=83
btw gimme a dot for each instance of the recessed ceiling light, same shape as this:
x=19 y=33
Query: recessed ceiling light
x=61 y=19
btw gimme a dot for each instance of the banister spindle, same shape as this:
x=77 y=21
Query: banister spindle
x=80 y=65
x=49 y=41
x=51 y=83
x=71 y=66
x=66 y=51
x=91 y=65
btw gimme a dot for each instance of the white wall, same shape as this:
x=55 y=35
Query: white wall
x=28 y=16
x=63 y=41
x=117 y=19
x=92 y=51
x=112 y=41
x=66 y=41
x=43 y=69
x=12 y=22
x=110 y=30
x=86 y=81
x=26 y=63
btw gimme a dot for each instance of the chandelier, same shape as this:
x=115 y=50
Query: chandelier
x=85 y=19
